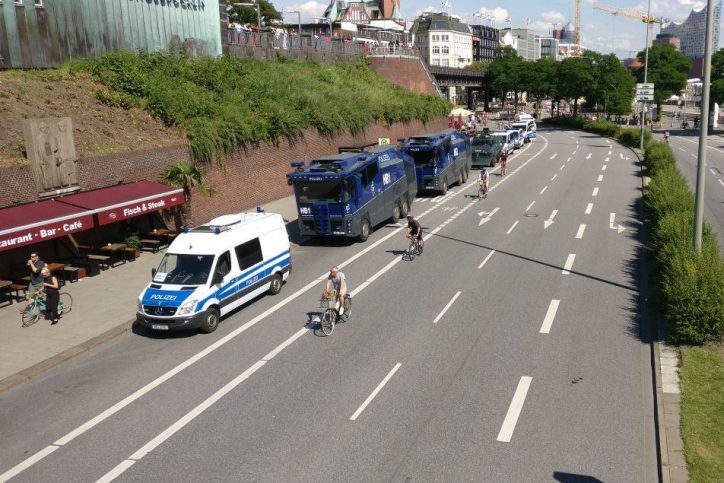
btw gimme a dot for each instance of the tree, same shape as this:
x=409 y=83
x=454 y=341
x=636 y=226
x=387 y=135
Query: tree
x=575 y=79
x=507 y=72
x=717 y=77
x=248 y=14
x=613 y=87
x=668 y=71
x=541 y=80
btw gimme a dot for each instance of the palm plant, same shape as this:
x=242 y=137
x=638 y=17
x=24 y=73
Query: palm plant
x=185 y=175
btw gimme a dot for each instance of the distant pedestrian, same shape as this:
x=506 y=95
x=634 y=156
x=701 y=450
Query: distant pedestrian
x=52 y=295
x=36 y=266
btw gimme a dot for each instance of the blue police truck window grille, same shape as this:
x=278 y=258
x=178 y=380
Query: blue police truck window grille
x=184 y=269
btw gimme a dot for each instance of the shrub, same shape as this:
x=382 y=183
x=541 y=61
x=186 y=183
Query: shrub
x=631 y=137
x=604 y=128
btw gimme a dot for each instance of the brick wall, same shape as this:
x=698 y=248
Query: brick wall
x=407 y=72
x=250 y=176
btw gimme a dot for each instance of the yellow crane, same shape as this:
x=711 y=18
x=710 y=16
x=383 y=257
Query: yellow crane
x=577 y=30
x=634 y=14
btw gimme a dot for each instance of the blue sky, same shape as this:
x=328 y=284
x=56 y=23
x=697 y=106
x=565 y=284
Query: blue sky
x=599 y=31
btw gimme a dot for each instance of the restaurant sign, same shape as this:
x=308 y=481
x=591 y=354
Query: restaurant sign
x=140 y=207
x=45 y=231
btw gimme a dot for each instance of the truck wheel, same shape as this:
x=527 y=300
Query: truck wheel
x=364 y=232
x=211 y=321
x=443 y=188
x=396 y=212
x=276 y=284
x=405 y=209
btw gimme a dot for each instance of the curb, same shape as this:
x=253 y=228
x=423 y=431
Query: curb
x=44 y=366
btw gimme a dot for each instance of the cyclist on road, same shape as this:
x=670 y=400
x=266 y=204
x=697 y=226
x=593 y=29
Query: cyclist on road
x=414 y=230
x=483 y=180
x=503 y=164
x=337 y=282
x=666 y=137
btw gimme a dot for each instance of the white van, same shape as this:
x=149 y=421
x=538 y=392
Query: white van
x=523 y=117
x=529 y=129
x=213 y=269
x=506 y=138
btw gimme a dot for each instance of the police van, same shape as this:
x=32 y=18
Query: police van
x=441 y=159
x=507 y=138
x=212 y=269
x=529 y=129
x=349 y=193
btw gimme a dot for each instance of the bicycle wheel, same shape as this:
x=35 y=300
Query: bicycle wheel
x=65 y=304
x=30 y=315
x=411 y=252
x=347 y=306
x=418 y=248
x=328 y=318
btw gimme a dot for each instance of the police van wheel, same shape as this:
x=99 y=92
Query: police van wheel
x=443 y=188
x=461 y=181
x=211 y=321
x=276 y=284
x=364 y=232
x=404 y=209
x=396 y=212
x=464 y=175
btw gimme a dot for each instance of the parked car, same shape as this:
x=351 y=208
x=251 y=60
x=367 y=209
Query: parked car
x=518 y=137
x=506 y=138
x=486 y=150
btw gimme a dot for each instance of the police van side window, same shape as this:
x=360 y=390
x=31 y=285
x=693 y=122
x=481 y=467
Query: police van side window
x=249 y=254
x=372 y=171
x=223 y=266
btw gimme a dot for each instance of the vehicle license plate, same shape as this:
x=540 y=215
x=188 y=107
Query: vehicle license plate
x=159 y=327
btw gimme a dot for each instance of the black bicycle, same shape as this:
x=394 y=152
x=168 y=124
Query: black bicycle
x=414 y=249
x=330 y=316
x=482 y=190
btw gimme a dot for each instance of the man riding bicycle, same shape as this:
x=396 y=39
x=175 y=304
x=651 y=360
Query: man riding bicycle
x=483 y=180
x=336 y=282
x=414 y=230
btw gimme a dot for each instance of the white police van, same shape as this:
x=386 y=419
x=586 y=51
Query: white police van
x=213 y=269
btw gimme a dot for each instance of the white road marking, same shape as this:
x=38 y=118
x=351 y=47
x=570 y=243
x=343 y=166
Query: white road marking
x=543 y=190
x=452 y=301
x=569 y=264
x=550 y=315
x=549 y=221
x=589 y=156
x=486 y=259
x=595 y=192
x=612 y=224
x=562 y=166
x=589 y=207
x=711 y=170
x=28 y=462
x=609 y=153
x=581 y=229
x=554 y=177
x=569 y=157
x=375 y=392
x=603 y=168
x=606 y=160
x=512 y=227
x=721 y=182
x=487 y=218
x=554 y=155
x=600 y=178
x=532 y=203
x=516 y=406
x=116 y=472
x=620 y=155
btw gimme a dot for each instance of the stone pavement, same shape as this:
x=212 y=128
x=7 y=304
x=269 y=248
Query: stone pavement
x=103 y=307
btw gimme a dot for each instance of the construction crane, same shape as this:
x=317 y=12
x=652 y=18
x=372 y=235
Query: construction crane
x=577 y=30
x=635 y=14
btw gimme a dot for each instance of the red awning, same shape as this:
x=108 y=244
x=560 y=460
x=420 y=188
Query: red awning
x=123 y=201
x=36 y=222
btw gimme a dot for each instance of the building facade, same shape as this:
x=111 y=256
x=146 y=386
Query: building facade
x=523 y=41
x=692 y=32
x=549 y=47
x=486 y=40
x=47 y=33
x=443 y=40
x=361 y=12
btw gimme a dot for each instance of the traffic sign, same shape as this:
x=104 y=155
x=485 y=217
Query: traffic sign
x=383 y=141
x=644 y=97
x=648 y=85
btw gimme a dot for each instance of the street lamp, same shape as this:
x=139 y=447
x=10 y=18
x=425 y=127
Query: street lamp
x=258 y=12
x=299 y=20
x=646 y=76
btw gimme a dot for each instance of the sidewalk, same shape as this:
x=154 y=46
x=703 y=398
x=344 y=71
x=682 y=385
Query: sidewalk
x=103 y=308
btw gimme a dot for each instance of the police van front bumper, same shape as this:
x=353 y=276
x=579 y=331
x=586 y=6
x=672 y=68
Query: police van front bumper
x=191 y=321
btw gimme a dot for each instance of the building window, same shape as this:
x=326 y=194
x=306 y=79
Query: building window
x=436 y=49
x=38 y=3
x=445 y=63
x=445 y=49
x=19 y=2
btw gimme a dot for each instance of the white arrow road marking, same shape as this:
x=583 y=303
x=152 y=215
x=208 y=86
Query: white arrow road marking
x=543 y=190
x=452 y=301
x=375 y=392
x=612 y=224
x=512 y=227
x=516 y=406
x=533 y=202
x=554 y=156
x=595 y=192
x=600 y=178
x=581 y=229
x=486 y=259
x=569 y=264
x=486 y=219
x=589 y=207
x=550 y=315
x=589 y=156
x=549 y=221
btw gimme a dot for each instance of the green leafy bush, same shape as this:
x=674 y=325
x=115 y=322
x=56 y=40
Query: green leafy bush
x=227 y=103
x=604 y=128
x=132 y=241
x=631 y=137
x=565 y=121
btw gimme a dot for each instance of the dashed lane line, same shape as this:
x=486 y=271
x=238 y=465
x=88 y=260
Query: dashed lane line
x=581 y=229
x=375 y=392
x=600 y=178
x=543 y=190
x=512 y=227
x=516 y=406
x=445 y=309
x=550 y=316
x=482 y=264
x=569 y=264
x=595 y=192
x=532 y=203
x=589 y=208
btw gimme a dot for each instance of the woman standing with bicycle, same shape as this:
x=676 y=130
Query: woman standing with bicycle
x=52 y=295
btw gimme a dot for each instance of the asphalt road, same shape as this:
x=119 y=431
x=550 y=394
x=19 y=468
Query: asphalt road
x=685 y=145
x=511 y=350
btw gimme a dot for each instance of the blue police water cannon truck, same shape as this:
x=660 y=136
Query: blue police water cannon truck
x=347 y=194
x=441 y=159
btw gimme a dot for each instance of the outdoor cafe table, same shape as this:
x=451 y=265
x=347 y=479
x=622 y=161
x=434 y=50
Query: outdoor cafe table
x=169 y=235
x=114 y=249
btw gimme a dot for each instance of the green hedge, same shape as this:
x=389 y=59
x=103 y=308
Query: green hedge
x=231 y=102
x=628 y=136
x=690 y=285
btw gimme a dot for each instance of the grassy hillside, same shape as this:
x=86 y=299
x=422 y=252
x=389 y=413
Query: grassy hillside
x=227 y=103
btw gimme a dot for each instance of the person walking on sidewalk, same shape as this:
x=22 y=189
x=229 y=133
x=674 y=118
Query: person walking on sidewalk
x=36 y=276
x=52 y=295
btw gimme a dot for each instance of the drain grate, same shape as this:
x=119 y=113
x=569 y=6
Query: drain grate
x=531 y=215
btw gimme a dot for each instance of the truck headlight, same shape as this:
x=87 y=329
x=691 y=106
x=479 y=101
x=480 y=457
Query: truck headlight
x=187 y=307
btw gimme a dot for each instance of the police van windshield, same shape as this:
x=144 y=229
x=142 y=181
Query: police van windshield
x=325 y=191
x=183 y=269
x=485 y=144
x=424 y=158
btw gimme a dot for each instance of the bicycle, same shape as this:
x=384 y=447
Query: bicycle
x=482 y=190
x=31 y=313
x=330 y=314
x=415 y=248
